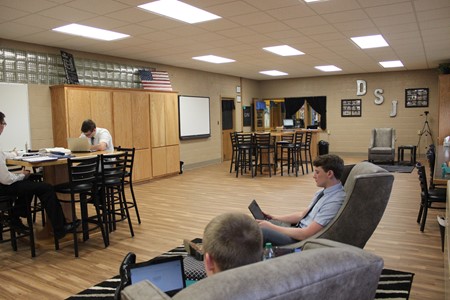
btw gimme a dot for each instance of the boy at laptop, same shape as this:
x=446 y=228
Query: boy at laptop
x=100 y=138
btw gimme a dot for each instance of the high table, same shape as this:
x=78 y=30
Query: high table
x=55 y=172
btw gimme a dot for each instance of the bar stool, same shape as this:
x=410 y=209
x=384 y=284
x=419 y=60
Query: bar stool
x=82 y=188
x=306 y=146
x=128 y=178
x=246 y=147
x=285 y=150
x=6 y=207
x=264 y=147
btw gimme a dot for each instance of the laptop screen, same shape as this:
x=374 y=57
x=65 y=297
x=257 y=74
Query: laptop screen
x=167 y=273
x=288 y=123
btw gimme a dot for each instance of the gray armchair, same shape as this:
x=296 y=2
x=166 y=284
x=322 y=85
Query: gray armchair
x=368 y=189
x=323 y=270
x=382 y=145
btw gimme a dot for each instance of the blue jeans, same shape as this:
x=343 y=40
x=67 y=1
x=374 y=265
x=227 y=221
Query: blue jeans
x=276 y=238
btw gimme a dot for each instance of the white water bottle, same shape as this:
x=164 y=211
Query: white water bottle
x=268 y=251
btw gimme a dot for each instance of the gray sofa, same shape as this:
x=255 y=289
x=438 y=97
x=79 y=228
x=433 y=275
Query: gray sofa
x=323 y=270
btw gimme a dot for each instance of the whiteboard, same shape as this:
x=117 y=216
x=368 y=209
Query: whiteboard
x=194 y=117
x=14 y=104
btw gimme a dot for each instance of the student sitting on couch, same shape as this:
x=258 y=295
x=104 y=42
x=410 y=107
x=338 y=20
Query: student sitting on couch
x=231 y=240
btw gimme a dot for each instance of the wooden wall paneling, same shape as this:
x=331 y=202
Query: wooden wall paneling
x=78 y=109
x=444 y=107
x=171 y=113
x=141 y=120
x=142 y=165
x=173 y=159
x=159 y=161
x=122 y=116
x=157 y=120
x=101 y=110
x=59 y=116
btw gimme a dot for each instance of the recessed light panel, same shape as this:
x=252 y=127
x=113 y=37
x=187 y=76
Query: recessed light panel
x=180 y=11
x=284 y=50
x=391 y=64
x=214 y=59
x=90 y=32
x=329 y=68
x=370 y=41
x=274 y=73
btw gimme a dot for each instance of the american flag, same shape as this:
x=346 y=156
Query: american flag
x=155 y=80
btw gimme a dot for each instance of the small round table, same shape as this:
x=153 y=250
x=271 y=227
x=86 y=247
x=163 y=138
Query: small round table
x=401 y=151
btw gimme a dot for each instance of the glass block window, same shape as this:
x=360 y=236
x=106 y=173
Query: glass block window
x=20 y=66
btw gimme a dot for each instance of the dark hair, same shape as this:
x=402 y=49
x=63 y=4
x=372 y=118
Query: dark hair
x=330 y=162
x=2 y=117
x=88 y=125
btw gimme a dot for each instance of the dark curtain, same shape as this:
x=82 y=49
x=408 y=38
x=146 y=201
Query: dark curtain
x=292 y=105
x=319 y=104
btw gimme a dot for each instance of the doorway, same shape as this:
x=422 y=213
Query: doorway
x=228 y=126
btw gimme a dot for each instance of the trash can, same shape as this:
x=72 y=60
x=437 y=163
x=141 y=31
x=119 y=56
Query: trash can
x=323 y=147
x=181 y=166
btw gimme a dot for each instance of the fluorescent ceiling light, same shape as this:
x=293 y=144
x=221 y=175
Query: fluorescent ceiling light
x=329 y=68
x=309 y=1
x=284 y=50
x=179 y=11
x=214 y=59
x=90 y=32
x=391 y=64
x=273 y=73
x=370 y=41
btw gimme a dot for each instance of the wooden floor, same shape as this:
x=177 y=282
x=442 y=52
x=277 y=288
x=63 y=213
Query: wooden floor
x=179 y=207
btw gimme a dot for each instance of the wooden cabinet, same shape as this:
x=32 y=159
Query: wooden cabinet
x=164 y=133
x=147 y=121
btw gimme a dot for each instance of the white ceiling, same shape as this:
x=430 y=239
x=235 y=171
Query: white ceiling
x=418 y=32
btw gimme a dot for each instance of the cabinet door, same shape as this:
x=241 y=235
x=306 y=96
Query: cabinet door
x=159 y=158
x=122 y=116
x=142 y=169
x=157 y=120
x=140 y=120
x=173 y=159
x=171 y=113
x=79 y=109
x=101 y=110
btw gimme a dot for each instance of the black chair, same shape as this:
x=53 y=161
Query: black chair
x=246 y=148
x=82 y=188
x=112 y=190
x=428 y=197
x=128 y=178
x=265 y=150
x=306 y=146
x=286 y=152
x=6 y=206
x=234 y=151
x=37 y=176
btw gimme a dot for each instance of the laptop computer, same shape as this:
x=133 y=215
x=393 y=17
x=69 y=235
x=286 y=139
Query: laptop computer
x=256 y=211
x=167 y=273
x=79 y=145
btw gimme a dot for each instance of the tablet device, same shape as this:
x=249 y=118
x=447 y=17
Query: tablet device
x=256 y=211
x=166 y=272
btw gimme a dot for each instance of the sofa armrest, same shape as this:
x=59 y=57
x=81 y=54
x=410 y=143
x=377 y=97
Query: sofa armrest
x=143 y=290
x=324 y=243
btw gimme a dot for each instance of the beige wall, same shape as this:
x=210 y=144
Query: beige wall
x=347 y=135
x=352 y=135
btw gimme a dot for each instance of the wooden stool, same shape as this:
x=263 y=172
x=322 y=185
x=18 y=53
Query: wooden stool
x=401 y=152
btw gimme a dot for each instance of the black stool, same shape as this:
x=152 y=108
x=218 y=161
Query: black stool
x=401 y=153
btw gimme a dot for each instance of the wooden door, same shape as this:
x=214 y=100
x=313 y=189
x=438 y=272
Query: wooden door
x=227 y=127
x=79 y=109
x=122 y=116
x=141 y=120
x=157 y=120
x=171 y=112
x=101 y=110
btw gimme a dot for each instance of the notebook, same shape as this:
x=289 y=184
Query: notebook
x=78 y=145
x=256 y=211
x=167 y=273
